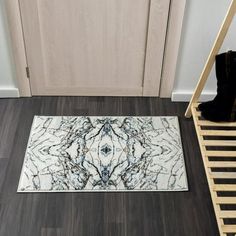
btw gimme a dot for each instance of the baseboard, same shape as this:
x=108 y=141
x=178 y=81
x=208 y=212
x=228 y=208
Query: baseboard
x=185 y=96
x=9 y=92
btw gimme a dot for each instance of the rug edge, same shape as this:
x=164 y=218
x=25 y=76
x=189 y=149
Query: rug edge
x=182 y=147
x=24 y=160
x=102 y=191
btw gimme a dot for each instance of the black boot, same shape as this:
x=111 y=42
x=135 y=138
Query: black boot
x=221 y=74
x=221 y=108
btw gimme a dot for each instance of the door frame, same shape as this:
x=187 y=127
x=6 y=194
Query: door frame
x=170 y=48
x=17 y=46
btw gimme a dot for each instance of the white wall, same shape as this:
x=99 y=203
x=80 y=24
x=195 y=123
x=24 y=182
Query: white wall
x=201 y=24
x=8 y=86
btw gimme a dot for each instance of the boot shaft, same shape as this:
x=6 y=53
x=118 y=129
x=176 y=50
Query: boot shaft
x=221 y=108
x=225 y=67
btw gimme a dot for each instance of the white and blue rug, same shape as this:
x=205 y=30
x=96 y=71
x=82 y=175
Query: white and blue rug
x=68 y=153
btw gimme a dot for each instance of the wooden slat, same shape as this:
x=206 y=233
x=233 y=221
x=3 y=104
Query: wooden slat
x=218 y=132
x=223 y=164
x=198 y=113
x=216 y=124
x=225 y=200
x=223 y=175
x=195 y=105
x=220 y=153
x=227 y=214
x=220 y=143
x=229 y=228
x=224 y=187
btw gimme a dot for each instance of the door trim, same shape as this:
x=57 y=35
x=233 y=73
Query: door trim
x=18 y=46
x=172 y=42
x=172 y=45
x=155 y=45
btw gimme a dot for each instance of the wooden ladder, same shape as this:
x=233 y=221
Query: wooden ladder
x=217 y=143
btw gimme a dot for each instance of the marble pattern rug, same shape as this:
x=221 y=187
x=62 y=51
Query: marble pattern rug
x=71 y=153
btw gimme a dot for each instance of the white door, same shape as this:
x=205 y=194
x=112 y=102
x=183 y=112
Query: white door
x=94 y=47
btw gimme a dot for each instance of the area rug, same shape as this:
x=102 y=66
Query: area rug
x=71 y=153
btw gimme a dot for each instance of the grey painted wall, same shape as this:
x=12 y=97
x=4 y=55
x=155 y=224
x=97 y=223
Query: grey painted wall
x=8 y=85
x=202 y=22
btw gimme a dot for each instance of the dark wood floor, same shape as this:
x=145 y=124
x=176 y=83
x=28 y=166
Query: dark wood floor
x=94 y=214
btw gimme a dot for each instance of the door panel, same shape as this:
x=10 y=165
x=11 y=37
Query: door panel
x=86 y=47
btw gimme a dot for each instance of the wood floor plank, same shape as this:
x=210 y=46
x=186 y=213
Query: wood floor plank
x=51 y=232
x=8 y=125
x=95 y=214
